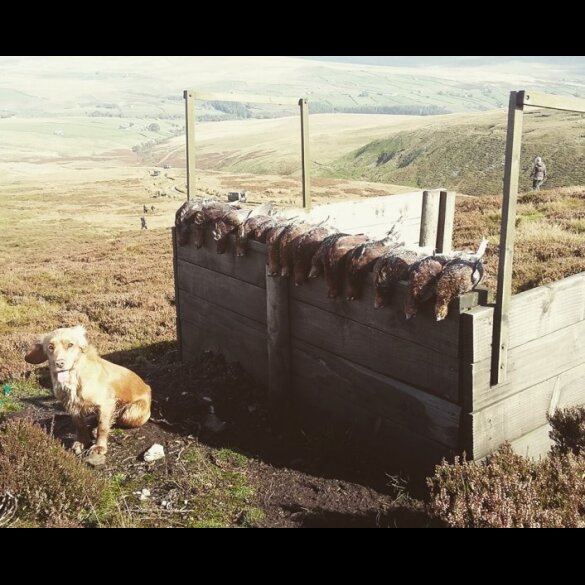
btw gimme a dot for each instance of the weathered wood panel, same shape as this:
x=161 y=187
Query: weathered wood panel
x=476 y=334
x=397 y=450
x=375 y=215
x=176 y=282
x=206 y=326
x=402 y=405
x=554 y=102
x=446 y=222
x=398 y=358
x=220 y=289
x=305 y=153
x=323 y=409
x=526 y=411
x=279 y=359
x=535 y=444
x=249 y=268
x=429 y=223
x=533 y=314
x=423 y=330
x=408 y=231
x=528 y=364
x=501 y=329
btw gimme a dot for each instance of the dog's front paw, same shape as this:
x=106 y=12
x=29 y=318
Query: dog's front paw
x=95 y=456
x=97 y=450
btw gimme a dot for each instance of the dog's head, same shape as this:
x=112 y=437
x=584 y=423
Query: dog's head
x=62 y=348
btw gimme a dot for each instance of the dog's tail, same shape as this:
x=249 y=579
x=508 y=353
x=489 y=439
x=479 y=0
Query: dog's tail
x=135 y=414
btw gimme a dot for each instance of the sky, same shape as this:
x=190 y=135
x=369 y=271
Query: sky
x=410 y=61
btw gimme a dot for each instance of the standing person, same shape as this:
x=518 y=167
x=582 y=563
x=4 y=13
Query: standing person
x=143 y=225
x=538 y=173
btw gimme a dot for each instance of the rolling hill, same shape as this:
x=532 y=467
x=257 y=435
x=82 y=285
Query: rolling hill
x=466 y=153
x=132 y=87
x=463 y=152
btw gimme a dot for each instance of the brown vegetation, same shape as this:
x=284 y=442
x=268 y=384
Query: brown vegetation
x=52 y=487
x=507 y=490
x=549 y=240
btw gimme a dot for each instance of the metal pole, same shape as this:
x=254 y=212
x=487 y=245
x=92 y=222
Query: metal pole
x=190 y=134
x=501 y=334
x=305 y=153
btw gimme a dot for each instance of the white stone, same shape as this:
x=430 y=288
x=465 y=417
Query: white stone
x=154 y=453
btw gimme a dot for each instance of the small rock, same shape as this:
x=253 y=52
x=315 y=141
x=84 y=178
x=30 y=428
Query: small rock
x=144 y=494
x=155 y=453
x=95 y=459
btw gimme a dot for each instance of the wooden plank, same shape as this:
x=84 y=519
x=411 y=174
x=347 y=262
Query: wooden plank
x=446 y=222
x=176 y=282
x=305 y=153
x=533 y=314
x=250 y=268
x=476 y=334
x=398 y=358
x=243 y=98
x=223 y=290
x=507 y=236
x=375 y=215
x=525 y=411
x=207 y=327
x=429 y=218
x=529 y=364
x=323 y=410
x=424 y=329
x=402 y=405
x=553 y=102
x=408 y=232
x=538 y=312
x=535 y=444
x=190 y=137
x=278 y=339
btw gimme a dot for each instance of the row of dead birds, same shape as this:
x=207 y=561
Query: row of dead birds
x=297 y=247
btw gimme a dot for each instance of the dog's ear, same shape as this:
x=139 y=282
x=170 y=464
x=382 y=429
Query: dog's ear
x=81 y=335
x=36 y=354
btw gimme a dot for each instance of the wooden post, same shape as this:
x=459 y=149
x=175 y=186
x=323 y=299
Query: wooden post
x=430 y=219
x=278 y=339
x=553 y=102
x=190 y=134
x=507 y=237
x=177 y=311
x=446 y=220
x=305 y=153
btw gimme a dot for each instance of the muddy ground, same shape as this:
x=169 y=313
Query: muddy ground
x=298 y=480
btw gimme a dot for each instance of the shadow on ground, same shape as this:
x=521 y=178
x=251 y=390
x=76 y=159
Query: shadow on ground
x=301 y=480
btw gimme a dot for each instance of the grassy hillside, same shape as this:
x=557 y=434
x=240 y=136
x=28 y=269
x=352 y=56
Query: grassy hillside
x=151 y=87
x=549 y=239
x=467 y=154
